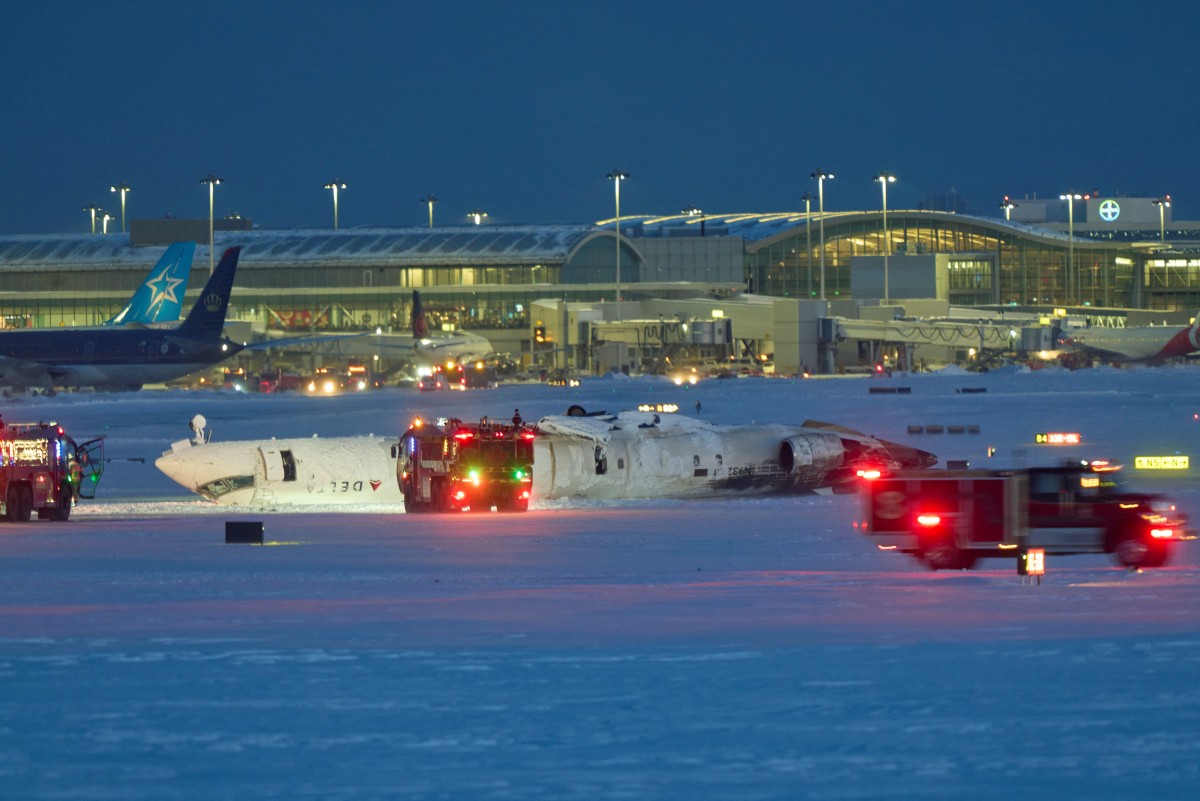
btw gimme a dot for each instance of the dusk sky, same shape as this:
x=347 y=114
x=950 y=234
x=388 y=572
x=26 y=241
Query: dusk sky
x=522 y=108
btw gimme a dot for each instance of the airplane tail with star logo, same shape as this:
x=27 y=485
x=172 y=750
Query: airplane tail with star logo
x=160 y=298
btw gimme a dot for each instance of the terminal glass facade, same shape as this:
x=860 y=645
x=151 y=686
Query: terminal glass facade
x=1033 y=269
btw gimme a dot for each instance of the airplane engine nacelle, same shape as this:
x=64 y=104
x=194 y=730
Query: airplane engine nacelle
x=809 y=457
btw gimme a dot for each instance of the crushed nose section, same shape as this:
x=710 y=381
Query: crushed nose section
x=908 y=458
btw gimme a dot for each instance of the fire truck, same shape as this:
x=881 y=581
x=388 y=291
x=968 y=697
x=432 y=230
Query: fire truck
x=42 y=469
x=451 y=466
x=950 y=518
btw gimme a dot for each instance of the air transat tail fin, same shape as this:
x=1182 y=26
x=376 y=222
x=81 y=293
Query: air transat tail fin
x=207 y=317
x=420 y=328
x=160 y=298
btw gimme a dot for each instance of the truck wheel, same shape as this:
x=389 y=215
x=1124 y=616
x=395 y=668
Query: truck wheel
x=63 y=510
x=26 y=503
x=945 y=555
x=1136 y=551
x=12 y=504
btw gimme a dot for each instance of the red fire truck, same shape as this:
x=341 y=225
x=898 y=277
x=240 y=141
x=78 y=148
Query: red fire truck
x=42 y=469
x=453 y=466
x=950 y=518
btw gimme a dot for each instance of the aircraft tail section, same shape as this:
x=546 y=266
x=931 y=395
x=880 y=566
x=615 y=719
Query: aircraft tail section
x=160 y=298
x=420 y=328
x=1185 y=342
x=207 y=317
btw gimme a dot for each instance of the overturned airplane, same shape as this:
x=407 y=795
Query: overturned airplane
x=651 y=455
x=581 y=456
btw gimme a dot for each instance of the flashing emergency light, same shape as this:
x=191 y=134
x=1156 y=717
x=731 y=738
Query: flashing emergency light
x=869 y=473
x=473 y=477
x=1162 y=533
x=519 y=474
x=929 y=520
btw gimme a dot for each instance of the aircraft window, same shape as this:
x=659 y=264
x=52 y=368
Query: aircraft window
x=289 y=465
x=215 y=489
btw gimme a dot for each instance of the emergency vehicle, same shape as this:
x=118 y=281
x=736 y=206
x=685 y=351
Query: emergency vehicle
x=453 y=466
x=43 y=470
x=950 y=518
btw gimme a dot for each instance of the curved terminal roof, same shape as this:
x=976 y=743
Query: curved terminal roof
x=761 y=227
x=475 y=245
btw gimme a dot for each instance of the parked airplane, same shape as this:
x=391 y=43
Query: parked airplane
x=577 y=456
x=1143 y=343
x=123 y=357
x=418 y=347
x=160 y=298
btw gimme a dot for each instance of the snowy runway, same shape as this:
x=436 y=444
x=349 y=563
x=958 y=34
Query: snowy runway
x=724 y=649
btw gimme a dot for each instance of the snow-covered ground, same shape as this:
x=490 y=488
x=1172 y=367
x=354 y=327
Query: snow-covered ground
x=719 y=649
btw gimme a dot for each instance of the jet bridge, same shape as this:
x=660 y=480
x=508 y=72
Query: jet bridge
x=947 y=335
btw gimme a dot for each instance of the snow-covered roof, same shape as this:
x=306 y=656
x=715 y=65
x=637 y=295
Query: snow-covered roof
x=476 y=245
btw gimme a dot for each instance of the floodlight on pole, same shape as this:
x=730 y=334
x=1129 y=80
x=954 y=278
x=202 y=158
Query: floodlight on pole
x=807 y=197
x=821 y=177
x=104 y=218
x=1008 y=206
x=212 y=182
x=122 y=188
x=429 y=200
x=1163 y=204
x=1070 y=197
x=616 y=176
x=477 y=214
x=92 y=208
x=334 y=186
x=884 y=179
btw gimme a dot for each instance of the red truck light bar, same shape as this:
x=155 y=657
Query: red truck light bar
x=929 y=519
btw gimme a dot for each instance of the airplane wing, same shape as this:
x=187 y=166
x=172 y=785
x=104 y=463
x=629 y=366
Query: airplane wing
x=21 y=373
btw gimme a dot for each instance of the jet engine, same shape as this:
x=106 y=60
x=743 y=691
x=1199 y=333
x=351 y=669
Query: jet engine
x=807 y=458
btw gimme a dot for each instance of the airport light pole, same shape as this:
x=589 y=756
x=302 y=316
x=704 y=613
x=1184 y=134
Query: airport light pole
x=1008 y=206
x=821 y=176
x=1070 y=197
x=616 y=176
x=93 y=208
x=122 y=188
x=429 y=200
x=884 y=179
x=212 y=182
x=335 y=186
x=807 y=197
x=477 y=214
x=104 y=218
x=1163 y=203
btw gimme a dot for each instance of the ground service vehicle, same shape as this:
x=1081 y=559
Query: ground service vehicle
x=455 y=466
x=950 y=518
x=42 y=469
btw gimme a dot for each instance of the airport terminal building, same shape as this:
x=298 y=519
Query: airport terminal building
x=765 y=280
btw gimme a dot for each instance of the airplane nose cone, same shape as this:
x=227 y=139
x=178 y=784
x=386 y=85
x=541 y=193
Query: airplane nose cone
x=177 y=467
x=909 y=458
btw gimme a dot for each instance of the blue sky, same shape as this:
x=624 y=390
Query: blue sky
x=521 y=109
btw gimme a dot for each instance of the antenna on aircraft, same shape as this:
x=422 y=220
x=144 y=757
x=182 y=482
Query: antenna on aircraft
x=197 y=425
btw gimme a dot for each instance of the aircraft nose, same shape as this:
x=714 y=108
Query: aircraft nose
x=909 y=458
x=175 y=466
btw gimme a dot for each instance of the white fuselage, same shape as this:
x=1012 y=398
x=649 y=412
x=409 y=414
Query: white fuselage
x=351 y=471
x=609 y=457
